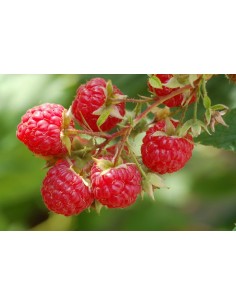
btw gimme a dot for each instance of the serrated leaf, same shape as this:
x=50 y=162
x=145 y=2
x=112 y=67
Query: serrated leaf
x=155 y=82
x=206 y=101
x=224 y=138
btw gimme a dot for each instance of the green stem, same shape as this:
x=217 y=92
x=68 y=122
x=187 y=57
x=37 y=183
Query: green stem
x=122 y=144
x=195 y=111
x=135 y=160
x=69 y=132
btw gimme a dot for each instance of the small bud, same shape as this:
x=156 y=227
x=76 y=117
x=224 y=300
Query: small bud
x=216 y=118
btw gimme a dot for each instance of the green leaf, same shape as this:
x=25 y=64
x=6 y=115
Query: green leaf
x=155 y=82
x=206 y=101
x=224 y=138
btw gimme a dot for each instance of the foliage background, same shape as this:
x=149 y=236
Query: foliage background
x=202 y=196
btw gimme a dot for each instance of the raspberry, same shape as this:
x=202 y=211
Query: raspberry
x=165 y=154
x=40 y=129
x=64 y=191
x=89 y=98
x=117 y=187
x=175 y=101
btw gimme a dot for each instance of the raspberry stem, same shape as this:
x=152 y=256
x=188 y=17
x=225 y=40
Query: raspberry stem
x=135 y=160
x=111 y=137
x=69 y=132
x=121 y=146
x=161 y=100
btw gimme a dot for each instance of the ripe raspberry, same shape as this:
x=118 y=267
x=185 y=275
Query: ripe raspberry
x=117 y=187
x=40 y=129
x=64 y=192
x=175 y=101
x=165 y=154
x=90 y=97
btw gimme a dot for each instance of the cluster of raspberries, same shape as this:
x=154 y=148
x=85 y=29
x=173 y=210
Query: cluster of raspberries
x=68 y=190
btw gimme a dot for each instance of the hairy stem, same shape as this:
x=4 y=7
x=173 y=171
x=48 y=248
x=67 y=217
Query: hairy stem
x=87 y=132
x=122 y=144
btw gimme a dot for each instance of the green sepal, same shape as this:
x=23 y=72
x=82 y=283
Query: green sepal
x=155 y=82
x=173 y=83
x=109 y=89
x=66 y=118
x=208 y=115
x=103 y=164
x=219 y=107
x=206 y=101
x=97 y=206
x=105 y=111
x=66 y=142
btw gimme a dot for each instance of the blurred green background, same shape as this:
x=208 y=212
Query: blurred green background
x=202 y=196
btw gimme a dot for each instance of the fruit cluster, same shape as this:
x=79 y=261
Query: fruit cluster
x=96 y=164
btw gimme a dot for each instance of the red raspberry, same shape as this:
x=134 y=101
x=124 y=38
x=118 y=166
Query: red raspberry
x=165 y=154
x=89 y=98
x=40 y=129
x=117 y=187
x=64 y=192
x=175 y=101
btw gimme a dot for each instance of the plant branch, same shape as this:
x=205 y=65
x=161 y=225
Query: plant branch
x=122 y=144
x=135 y=160
x=69 y=132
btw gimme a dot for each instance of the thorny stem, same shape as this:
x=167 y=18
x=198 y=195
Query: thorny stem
x=111 y=137
x=133 y=100
x=185 y=108
x=90 y=133
x=125 y=131
x=195 y=112
x=159 y=101
x=122 y=144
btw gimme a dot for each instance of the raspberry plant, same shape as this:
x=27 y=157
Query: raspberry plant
x=90 y=149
